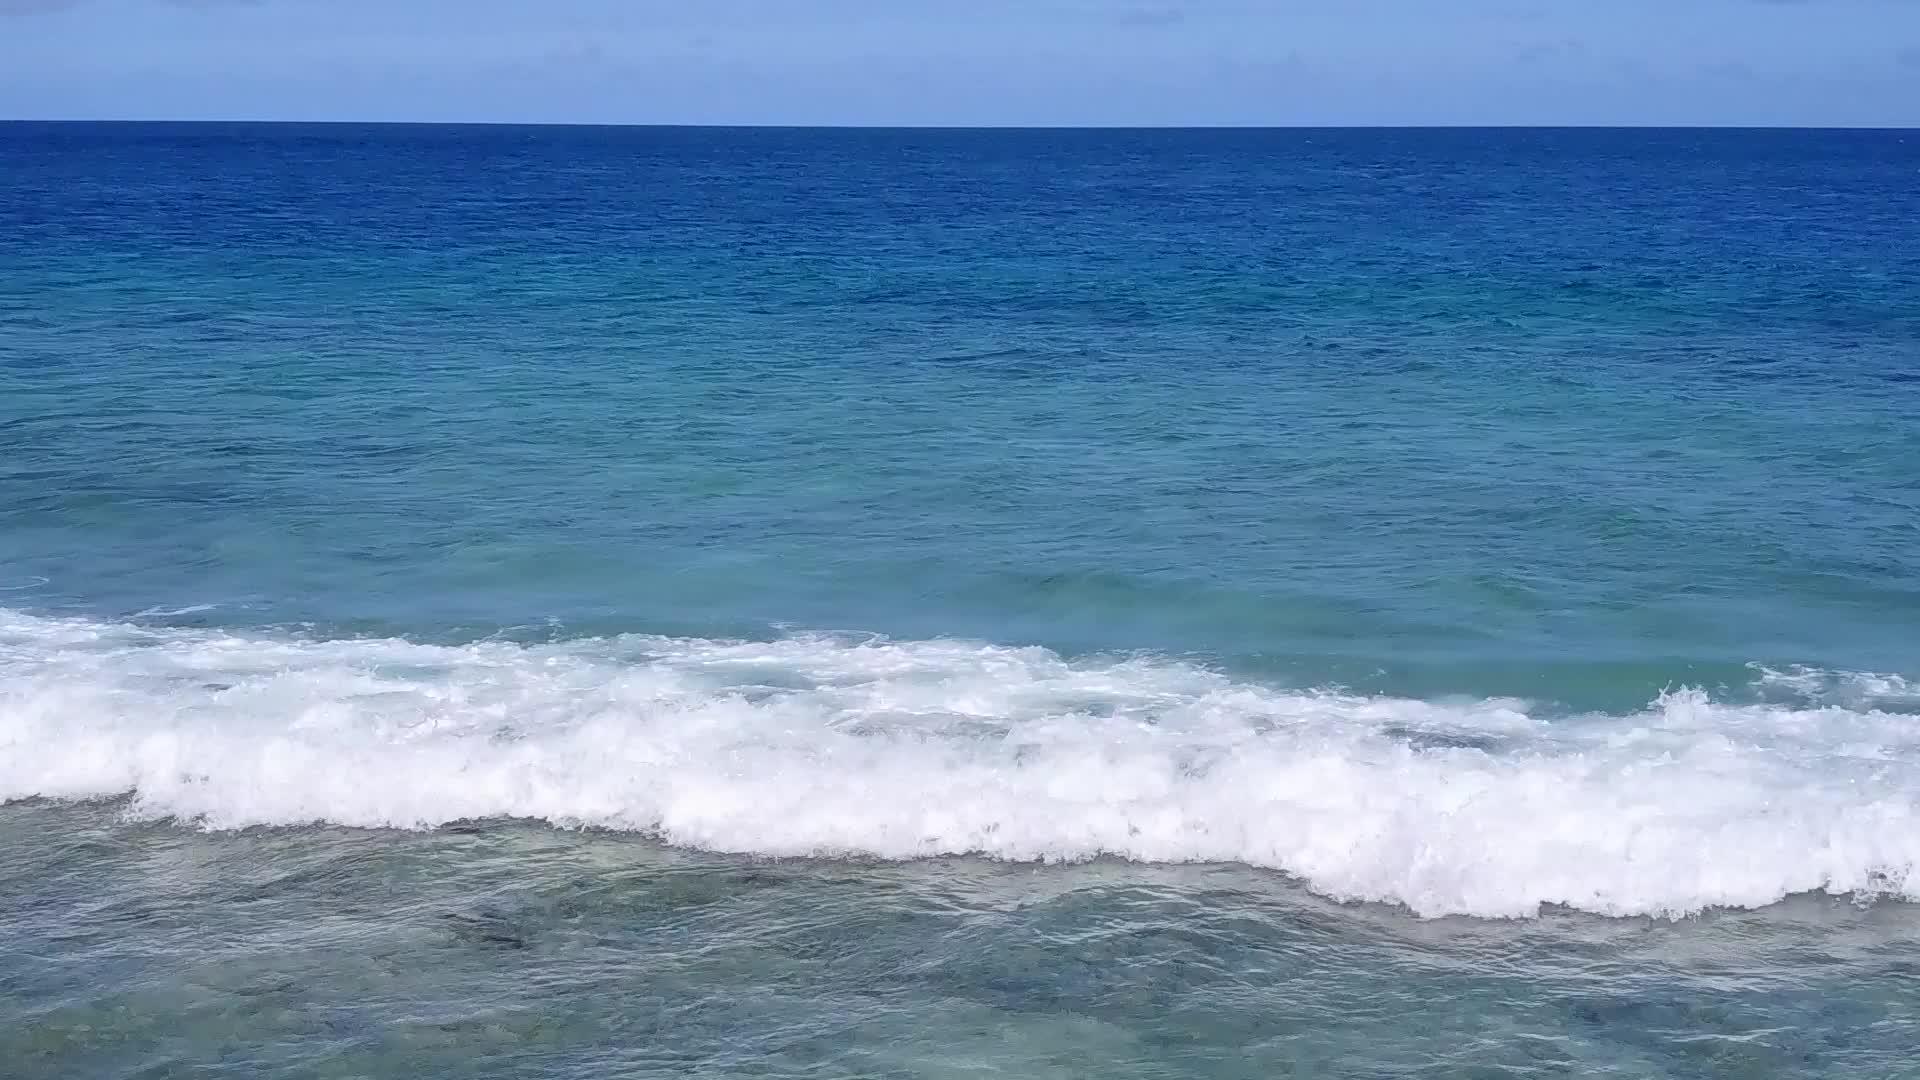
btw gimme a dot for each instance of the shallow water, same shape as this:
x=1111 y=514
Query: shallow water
x=510 y=950
x=581 y=602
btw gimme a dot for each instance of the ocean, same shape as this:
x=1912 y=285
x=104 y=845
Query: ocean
x=651 y=602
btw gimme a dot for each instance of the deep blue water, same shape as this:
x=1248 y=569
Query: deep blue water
x=1026 y=603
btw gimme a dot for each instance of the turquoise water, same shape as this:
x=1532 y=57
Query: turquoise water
x=584 y=602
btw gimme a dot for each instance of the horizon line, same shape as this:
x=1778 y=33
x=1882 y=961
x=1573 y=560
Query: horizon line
x=1627 y=126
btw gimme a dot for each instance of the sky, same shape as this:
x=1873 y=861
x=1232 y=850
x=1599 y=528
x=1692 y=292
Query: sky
x=968 y=62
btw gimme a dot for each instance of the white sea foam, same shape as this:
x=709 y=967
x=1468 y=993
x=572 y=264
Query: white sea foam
x=818 y=746
x=169 y=613
x=1854 y=689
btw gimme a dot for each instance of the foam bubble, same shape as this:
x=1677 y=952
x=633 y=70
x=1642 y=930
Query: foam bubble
x=824 y=746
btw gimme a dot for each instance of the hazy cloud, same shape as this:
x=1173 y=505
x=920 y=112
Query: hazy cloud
x=43 y=7
x=1150 y=17
x=1547 y=51
x=34 y=7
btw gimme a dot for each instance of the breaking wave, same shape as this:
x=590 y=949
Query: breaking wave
x=823 y=746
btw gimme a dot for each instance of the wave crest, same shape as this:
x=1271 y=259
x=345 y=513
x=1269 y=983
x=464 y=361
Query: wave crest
x=817 y=746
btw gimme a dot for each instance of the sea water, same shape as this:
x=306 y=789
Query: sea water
x=572 y=602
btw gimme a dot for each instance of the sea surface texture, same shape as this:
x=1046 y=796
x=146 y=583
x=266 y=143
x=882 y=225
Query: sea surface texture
x=579 y=603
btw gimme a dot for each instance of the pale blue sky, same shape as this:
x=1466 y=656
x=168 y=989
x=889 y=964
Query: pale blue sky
x=1765 y=62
